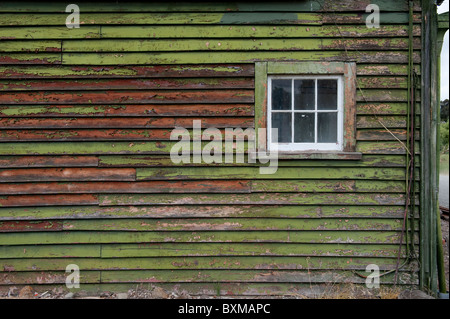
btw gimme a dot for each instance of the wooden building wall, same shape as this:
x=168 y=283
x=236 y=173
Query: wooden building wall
x=86 y=176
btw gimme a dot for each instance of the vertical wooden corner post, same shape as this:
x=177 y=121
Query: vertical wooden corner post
x=432 y=32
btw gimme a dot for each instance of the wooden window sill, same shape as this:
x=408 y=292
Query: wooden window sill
x=315 y=155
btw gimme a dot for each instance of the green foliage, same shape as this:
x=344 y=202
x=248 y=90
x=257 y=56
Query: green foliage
x=444 y=110
x=444 y=134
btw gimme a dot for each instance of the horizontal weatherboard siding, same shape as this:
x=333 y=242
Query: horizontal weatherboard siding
x=86 y=176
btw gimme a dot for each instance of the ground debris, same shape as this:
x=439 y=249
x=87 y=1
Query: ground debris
x=26 y=293
x=414 y=294
x=155 y=292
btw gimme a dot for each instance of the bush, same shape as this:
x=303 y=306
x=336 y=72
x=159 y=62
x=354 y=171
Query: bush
x=444 y=132
x=444 y=110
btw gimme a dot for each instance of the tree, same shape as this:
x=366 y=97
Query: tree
x=444 y=110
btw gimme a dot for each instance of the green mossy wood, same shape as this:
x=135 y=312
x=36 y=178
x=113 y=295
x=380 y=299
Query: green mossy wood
x=85 y=122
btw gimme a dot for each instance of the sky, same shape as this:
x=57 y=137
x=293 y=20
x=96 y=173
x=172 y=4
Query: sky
x=444 y=58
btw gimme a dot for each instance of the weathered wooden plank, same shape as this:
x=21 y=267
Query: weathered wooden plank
x=124 y=71
x=105 y=237
x=10 y=278
x=200 y=211
x=394 y=108
x=114 y=122
x=96 y=135
x=67 y=174
x=308 y=6
x=386 y=18
x=177 y=173
x=385 y=147
x=151 y=161
x=326 y=186
x=216 y=224
x=55 y=32
x=255 y=32
x=128 y=84
x=366 y=161
x=92 y=135
x=48 y=200
x=31 y=46
x=18 y=19
x=254 y=199
x=391 y=95
x=123 y=161
x=89 y=187
x=344 y=156
x=261 y=237
x=212 y=31
x=381 y=70
x=349 y=5
x=48 y=161
x=205 y=18
x=190 y=276
x=378 y=82
x=262 y=44
x=248 y=249
x=241 y=276
x=158 y=161
x=29 y=58
x=84 y=135
x=25 y=226
x=383 y=135
x=118 y=97
x=375 y=121
x=87 y=148
x=199 y=249
x=234 y=57
x=123 y=110
x=259 y=262
x=259 y=31
x=56 y=251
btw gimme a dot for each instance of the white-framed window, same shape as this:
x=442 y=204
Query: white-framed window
x=308 y=112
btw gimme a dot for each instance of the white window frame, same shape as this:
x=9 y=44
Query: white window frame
x=295 y=147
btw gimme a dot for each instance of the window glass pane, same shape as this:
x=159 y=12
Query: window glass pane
x=282 y=121
x=304 y=91
x=327 y=127
x=327 y=94
x=304 y=128
x=281 y=94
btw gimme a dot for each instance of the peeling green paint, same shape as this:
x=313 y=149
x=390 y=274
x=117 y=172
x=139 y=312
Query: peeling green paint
x=203 y=211
x=313 y=221
x=231 y=57
x=105 y=237
x=264 y=262
x=282 y=173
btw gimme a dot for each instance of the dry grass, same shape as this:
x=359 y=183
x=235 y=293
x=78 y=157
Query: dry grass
x=353 y=291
